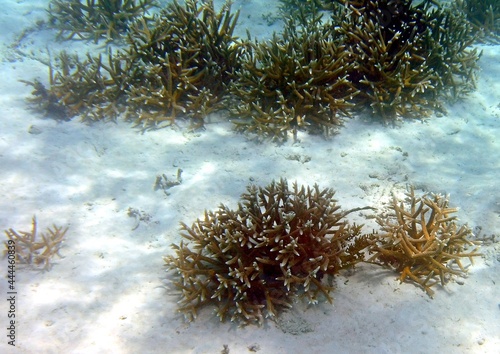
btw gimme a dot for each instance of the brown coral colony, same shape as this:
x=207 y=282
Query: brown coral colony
x=280 y=242
x=250 y=262
x=422 y=241
x=398 y=58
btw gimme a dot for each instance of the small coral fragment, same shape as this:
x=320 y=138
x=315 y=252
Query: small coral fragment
x=33 y=248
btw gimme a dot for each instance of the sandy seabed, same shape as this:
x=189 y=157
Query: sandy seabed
x=108 y=294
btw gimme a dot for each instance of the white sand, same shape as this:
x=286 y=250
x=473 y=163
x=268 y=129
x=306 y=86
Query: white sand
x=108 y=293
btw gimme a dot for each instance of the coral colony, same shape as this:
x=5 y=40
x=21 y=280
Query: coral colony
x=179 y=62
x=251 y=261
x=398 y=58
x=421 y=240
x=332 y=58
x=280 y=242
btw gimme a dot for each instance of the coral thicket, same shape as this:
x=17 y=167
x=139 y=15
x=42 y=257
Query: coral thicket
x=294 y=81
x=398 y=58
x=179 y=62
x=407 y=58
x=187 y=57
x=252 y=261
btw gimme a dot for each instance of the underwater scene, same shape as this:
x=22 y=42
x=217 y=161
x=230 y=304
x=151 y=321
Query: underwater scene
x=250 y=176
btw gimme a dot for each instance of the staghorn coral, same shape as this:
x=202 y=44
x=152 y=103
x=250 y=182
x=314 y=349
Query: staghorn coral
x=96 y=18
x=190 y=55
x=179 y=62
x=249 y=262
x=296 y=80
x=33 y=248
x=407 y=57
x=484 y=15
x=47 y=101
x=94 y=88
x=290 y=8
x=401 y=59
x=421 y=240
